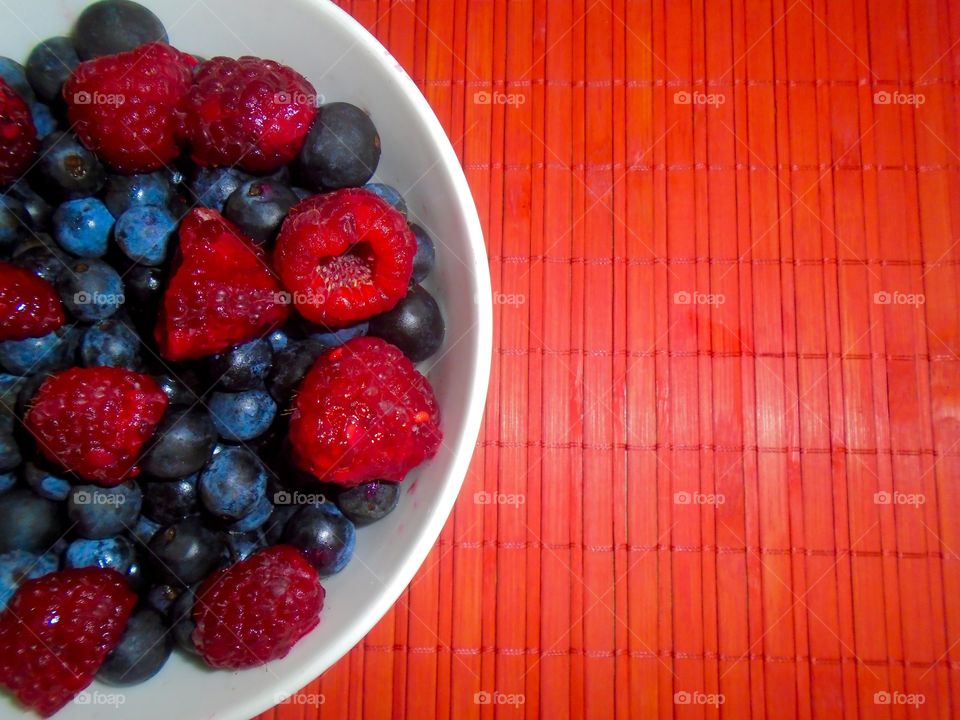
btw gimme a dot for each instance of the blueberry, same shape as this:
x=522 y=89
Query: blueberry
x=143 y=649
x=183 y=443
x=91 y=290
x=324 y=534
x=255 y=519
x=212 y=186
x=47 y=353
x=414 y=325
x=82 y=227
x=29 y=522
x=49 y=65
x=242 y=545
x=45 y=483
x=66 y=169
x=38 y=209
x=390 y=195
x=8 y=481
x=144 y=530
x=370 y=501
x=273 y=528
x=185 y=552
x=243 y=415
x=143 y=233
x=116 y=553
x=123 y=192
x=10 y=457
x=14 y=221
x=327 y=339
x=232 y=483
x=43 y=120
x=342 y=148
x=426 y=256
x=44 y=259
x=110 y=343
x=100 y=512
x=278 y=340
x=176 y=391
x=162 y=597
x=243 y=367
x=181 y=615
x=258 y=207
x=168 y=501
x=143 y=288
x=301 y=193
x=109 y=27
x=289 y=367
x=15 y=76
x=17 y=566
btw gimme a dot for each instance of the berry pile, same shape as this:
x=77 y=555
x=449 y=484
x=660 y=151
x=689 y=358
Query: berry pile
x=209 y=319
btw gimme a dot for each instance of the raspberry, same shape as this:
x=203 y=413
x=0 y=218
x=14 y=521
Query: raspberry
x=221 y=294
x=125 y=107
x=256 y=610
x=249 y=112
x=29 y=305
x=18 y=136
x=95 y=421
x=364 y=413
x=56 y=632
x=346 y=256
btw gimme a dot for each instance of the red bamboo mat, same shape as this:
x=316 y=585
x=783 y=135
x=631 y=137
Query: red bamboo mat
x=724 y=420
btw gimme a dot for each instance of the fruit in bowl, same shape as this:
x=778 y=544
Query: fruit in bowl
x=210 y=317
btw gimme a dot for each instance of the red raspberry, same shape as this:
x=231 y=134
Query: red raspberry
x=94 y=421
x=249 y=112
x=222 y=292
x=257 y=609
x=346 y=256
x=364 y=413
x=56 y=632
x=29 y=306
x=18 y=136
x=125 y=107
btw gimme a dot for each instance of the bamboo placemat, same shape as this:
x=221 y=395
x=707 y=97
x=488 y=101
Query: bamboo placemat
x=724 y=412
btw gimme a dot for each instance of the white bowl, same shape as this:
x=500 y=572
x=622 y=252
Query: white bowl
x=345 y=63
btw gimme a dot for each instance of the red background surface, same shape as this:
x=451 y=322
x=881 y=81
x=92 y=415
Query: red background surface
x=794 y=200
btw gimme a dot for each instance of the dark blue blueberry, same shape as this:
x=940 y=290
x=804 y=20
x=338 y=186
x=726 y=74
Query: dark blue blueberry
x=43 y=119
x=414 y=325
x=137 y=577
x=181 y=616
x=91 y=290
x=39 y=210
x=100 y=512
x=242 y=545
x=176 y=391
x=10 y=457
x=45 y=483
x=342 y=148
x=82 y=227
x=162 y=597
x=335 y=338
x=66 y=169
x=15 y=76
x=143 y=649
x=110 y=343
x=109 y=27
x=145 y=529
x=8 y=481
x=301 y=193
x=17 y=566
x=29 y=522
x=14 y=222
x=369 y=502
x=168 y=501
x=143 y=288
x=324 y=534
x=243 y=367
x=184 y=442
x=390 y=195
x=273 y=527
x=184 y=553
x=42 y=257
x=54 y=351
x=116 y=553
x=258 y=207
x=278 y=340
x=144 y=232
x=49 y=65
x=123 y=192
x=211 y=187
x=232 y=483
x=289 y=367
x=426 y=256
x=255 y=519
x=243 y=415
